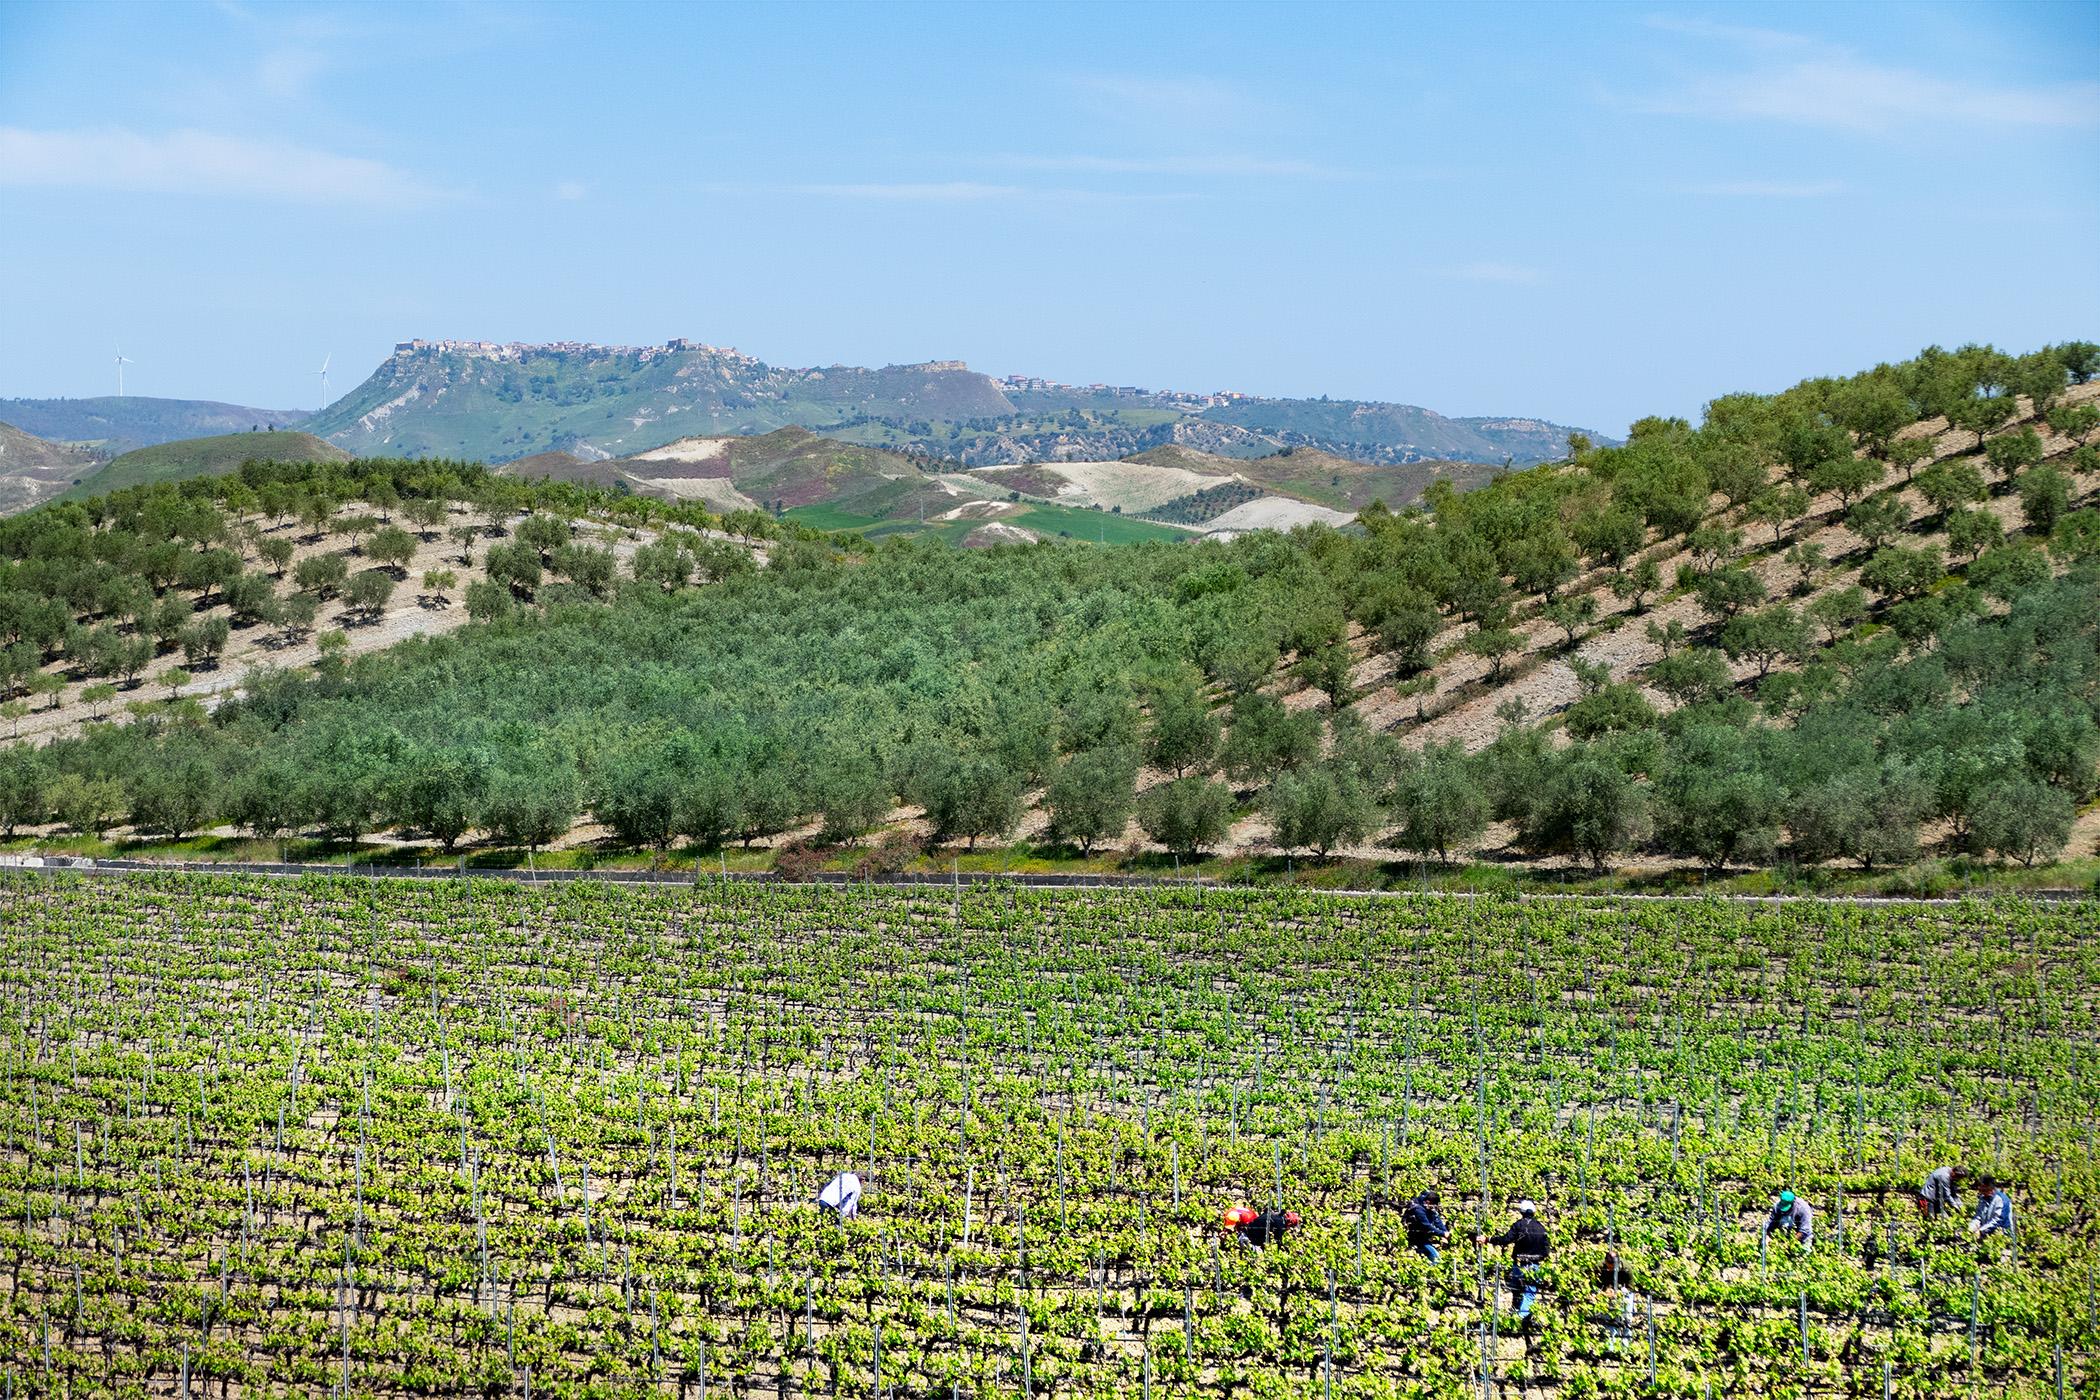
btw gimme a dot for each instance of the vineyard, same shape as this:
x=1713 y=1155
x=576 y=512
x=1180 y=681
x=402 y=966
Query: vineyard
x=376 y=1139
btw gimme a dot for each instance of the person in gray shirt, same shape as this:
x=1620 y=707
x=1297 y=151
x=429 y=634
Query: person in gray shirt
x=1790 y=1215
x=1941 y=1193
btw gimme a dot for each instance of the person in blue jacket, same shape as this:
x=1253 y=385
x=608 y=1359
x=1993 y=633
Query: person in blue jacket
x=1426 y=1227
x=1994 y=1212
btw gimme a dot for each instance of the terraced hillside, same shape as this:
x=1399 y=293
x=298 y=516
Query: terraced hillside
x=1808 y=563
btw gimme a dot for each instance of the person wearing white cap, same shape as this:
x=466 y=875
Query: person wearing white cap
x=1528 y=1248
x=841 y=1195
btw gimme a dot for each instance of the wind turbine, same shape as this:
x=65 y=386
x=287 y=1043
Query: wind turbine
x=121 y=362
x=323 y=372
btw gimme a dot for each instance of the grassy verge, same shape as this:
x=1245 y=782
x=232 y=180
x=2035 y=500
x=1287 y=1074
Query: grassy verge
x=1932 y=878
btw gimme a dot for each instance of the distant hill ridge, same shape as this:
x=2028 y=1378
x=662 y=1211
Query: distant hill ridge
x=498 y=402
x=117 y=425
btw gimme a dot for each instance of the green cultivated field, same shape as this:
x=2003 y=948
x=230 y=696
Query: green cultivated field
x=1082 y=526
x=368 y=1138
x=1093 y=526
x=830 y=517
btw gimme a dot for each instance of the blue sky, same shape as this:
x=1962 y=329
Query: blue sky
x=1580 y=211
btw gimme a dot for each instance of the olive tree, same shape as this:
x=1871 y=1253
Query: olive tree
x=1187 y=814
x=533 y=806
x=2010 y=453
x=1439 y=802
x=2045 y=498
x=1090 y=796
x=369 y=590
x=1590 y=807
x=1319 y=807
x=1184 y=733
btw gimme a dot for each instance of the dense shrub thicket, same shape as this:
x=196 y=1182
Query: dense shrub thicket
x=839 y=680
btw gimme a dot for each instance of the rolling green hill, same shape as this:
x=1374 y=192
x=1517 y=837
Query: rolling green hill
x=204 y=456
x=786 y=470
x=833 y=485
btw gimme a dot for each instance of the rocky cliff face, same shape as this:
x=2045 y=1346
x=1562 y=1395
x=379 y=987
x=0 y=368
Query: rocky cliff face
x=477 y=399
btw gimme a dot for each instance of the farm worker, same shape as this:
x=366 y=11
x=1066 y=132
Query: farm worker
x=1941 y=1192
x=1426 y=1228
x=1791 y=1215
x=841 y=1194
x=1612 y=1276
x=1994 y=1214
x=1528 y=1248
x=1267 y=1228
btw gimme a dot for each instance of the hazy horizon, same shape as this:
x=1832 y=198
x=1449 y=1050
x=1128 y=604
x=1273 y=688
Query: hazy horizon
x=1584 y=214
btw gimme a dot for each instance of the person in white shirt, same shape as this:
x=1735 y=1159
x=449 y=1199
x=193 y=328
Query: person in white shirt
x=841 y=1195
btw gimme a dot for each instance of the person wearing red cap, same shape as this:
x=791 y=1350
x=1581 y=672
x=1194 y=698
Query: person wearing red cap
x=1258 y=1231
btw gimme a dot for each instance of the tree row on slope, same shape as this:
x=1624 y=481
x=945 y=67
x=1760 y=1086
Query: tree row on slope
x=1191 y=687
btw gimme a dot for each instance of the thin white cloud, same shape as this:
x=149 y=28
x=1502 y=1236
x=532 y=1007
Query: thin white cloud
x=1229 y=166
x=1770 y=189
x=289 y=72
x=571 y=190
x=1800 y=80
x=1855 y=96
x=912 y=191
x=1509 y=274
x=1744 y=35
x=202 y=163
x=950 y=192
x=1172 y=101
